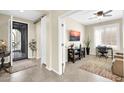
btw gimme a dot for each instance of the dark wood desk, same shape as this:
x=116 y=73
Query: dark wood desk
x=108 y=48
x=2 y=56
x=75 y=54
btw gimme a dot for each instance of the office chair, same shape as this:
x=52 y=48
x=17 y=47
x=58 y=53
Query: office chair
x=102 y=50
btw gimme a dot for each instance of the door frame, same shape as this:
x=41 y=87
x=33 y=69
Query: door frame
x=43 y=38
x=10 y=27
x=61 y=40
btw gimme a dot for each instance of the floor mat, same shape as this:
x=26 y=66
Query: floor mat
x=22 y=65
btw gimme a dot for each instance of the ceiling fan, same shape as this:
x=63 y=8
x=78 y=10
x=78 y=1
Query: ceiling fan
x=100 y=14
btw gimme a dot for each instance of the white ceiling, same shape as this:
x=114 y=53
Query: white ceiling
x=83 y=16
x=32 y=15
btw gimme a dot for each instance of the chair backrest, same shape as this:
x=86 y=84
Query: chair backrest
x=102 y=49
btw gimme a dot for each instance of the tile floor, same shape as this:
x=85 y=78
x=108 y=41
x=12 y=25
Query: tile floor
x=40 y=74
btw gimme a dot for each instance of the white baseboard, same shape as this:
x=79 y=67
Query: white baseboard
x=51 y=69
x=48 y=68
x=56 y=72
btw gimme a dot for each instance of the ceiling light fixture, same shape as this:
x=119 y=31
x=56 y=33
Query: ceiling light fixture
x=100 y=17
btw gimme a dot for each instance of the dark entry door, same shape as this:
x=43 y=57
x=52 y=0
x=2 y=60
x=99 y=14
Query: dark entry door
x=20 y=41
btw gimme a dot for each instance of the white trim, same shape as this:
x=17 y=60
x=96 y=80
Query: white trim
x=22 y=21
x=56 y=72
x=60 y=38
x=59 y=44
x=11 y=52
x=43 y=38
x=50 y=69
x=123 y=40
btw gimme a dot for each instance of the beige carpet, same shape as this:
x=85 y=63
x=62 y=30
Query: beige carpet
x=23 y=65
x=99 y=66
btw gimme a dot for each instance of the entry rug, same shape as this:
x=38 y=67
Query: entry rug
x=23 y=65
x=93 y=68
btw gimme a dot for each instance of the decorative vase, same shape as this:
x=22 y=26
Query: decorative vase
x=72 y=46
x=33 y=54
x=88 y=50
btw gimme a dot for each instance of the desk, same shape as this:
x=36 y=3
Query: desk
x=108 y=48
x=75 y=54
x=2 y=56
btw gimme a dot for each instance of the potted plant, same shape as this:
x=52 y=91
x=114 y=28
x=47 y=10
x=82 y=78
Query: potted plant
x=71 y=46
x=2 y=46
x=87 y=45
x=32 y=46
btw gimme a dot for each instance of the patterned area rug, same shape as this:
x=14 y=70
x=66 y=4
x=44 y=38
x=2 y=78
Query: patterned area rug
x=100 y=66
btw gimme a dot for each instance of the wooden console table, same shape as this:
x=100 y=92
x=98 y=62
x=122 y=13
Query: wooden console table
x=2 y=56
x=75 y=54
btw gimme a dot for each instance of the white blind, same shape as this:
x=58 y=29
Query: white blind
x=107 y=35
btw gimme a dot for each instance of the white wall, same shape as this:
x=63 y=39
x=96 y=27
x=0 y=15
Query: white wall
x=49 y=42
x=38 y=39
x=41 y=32
x=54 y=41
x=90 y=32
x=76 y=26
x=71 y=24
x=4 y=28
x=4 y=32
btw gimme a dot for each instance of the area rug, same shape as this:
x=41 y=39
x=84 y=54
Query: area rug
x=93 y=68
x=100 y=67
x=23 y=65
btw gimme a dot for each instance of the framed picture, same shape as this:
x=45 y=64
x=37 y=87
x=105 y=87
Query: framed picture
x=74 y=36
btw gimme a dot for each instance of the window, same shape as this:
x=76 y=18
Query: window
x=107 y=35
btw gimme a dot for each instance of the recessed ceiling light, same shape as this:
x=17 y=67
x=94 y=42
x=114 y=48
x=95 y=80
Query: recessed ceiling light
x=21 y=11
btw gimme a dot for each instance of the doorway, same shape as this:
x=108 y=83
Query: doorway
x=61 y=41
x=19 y=41
x=62 y=45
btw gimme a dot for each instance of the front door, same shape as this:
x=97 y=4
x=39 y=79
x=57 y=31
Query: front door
x=19 y=41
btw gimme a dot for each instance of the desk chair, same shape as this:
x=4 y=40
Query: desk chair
x=102 y=51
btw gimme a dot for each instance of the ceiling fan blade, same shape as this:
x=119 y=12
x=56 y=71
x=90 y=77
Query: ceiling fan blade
x=107 y=12
x=94 y=13
x=92 y=18
x=107 y=15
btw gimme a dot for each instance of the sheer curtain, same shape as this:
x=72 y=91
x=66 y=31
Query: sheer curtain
x=107 y=35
